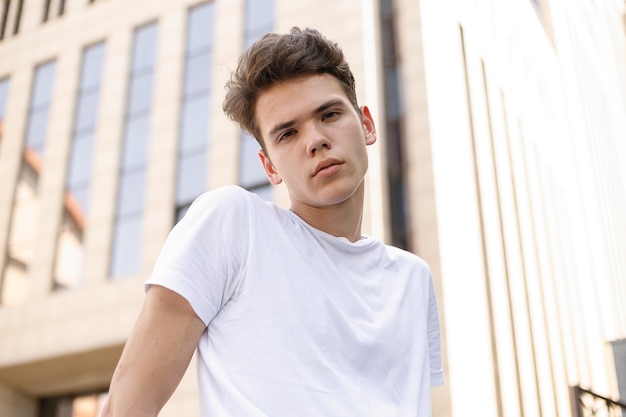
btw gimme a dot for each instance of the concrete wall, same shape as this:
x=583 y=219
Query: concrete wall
x=516 y=166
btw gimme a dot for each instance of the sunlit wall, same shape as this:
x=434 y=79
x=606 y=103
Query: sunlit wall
x=500 y=160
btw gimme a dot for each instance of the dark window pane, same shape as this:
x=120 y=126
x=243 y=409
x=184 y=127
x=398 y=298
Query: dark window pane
x=92 y=67
x=71 y=405
x=194 y=124
x=136 y=143
x=130 y=196
x=191 y=177
x=80 y=160
x=140 y=95
x=251 y=171
x=145 y=48
x=200 y=27
x=181 y=211
x=198 y=74
x=393 y=98
x=126 y=247
x=42 y=88
x=86 y=111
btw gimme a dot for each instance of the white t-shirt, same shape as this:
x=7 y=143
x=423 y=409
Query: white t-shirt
x=299 y=322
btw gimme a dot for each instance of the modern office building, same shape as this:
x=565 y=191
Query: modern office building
x=500 y=160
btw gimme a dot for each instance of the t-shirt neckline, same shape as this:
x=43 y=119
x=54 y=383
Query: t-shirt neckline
x=363 y=242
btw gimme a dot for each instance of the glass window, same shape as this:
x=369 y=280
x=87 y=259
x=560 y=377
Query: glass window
x=4 y=94
x=619 y=355
x=199 y=27
x=393 y=94
x=80 y=195
x=265 y=191
x=42 y=85
x=193 y=145
x=81 y=157
x=198 y=74
x=191 y=177
x=90 y=405
x=39 y=107
x=79 y=171
x=251 y=172
x=36 y=131
x=86 y=111
x=130 y=195
x=394 y=113
x=137 y=134
x=259 y=20
x=126 y=246
x=140 y=96
x=126 y=250
x=144 y=52
x=194 y=125
x=93 y=58
x=69 y=268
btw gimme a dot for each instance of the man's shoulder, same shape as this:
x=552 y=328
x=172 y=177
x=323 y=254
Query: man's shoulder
x=230 y=204
x=406 y=257
x=225 y=194
x=229 y=197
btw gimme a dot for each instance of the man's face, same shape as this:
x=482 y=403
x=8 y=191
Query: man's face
x=315 y=140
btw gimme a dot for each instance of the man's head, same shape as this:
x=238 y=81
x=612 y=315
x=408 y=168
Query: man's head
x=277 y=58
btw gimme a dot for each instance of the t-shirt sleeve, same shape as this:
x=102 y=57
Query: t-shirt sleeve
x=204 y=254
x=434 y=339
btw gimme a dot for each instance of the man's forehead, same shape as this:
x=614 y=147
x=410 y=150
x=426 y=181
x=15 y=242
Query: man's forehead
x=297 y=97
x=315 y=81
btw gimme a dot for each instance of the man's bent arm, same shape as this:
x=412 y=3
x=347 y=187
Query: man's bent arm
x=155 y=357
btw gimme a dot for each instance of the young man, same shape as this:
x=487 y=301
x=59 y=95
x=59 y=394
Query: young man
x=293 y=312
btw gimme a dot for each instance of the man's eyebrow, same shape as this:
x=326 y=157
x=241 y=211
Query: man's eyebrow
x=325 y=106
x=281 y=126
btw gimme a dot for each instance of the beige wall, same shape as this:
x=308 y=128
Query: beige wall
x=516 y=178
x=527 y=161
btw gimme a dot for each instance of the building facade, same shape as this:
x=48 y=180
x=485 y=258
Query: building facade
x=501 y=161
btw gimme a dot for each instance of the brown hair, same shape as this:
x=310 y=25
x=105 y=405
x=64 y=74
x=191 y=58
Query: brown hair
x=275 y=58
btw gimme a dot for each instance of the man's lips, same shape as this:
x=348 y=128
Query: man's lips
x=327 y=167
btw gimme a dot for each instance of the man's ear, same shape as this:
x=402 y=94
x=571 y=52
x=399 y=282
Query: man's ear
x=270 y=171
x=368 y=126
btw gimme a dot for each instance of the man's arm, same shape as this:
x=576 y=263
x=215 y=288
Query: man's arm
x=155 y=357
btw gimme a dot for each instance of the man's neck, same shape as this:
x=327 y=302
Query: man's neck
x=340 y=220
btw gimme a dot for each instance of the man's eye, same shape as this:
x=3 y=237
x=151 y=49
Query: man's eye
x=286 y=135
x=330 y=115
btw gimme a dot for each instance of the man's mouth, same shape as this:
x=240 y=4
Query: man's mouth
x=327 y=167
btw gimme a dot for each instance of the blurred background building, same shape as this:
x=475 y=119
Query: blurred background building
x=501 y=160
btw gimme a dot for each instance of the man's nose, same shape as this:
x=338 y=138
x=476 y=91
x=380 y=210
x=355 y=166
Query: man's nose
x=317 y=140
